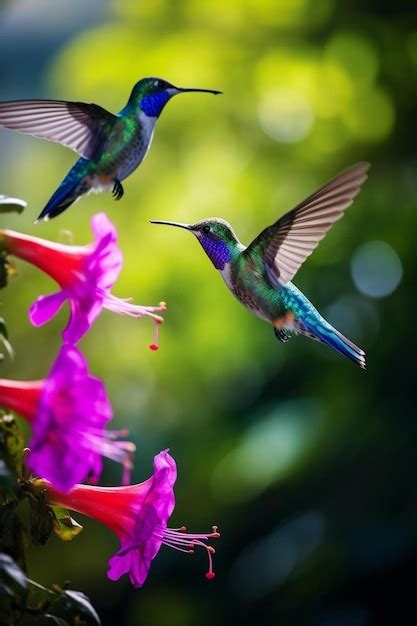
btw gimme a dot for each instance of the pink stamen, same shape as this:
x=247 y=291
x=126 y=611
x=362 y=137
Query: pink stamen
x=104 y=443
x=180 y=540
x=124 y=306
x=154 y=345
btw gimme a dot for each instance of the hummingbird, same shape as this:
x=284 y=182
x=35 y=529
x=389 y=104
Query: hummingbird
x=260 y=275
x=111 y=146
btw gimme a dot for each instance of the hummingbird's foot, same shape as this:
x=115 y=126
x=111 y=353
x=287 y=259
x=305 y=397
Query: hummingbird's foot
x=282 y=335
x=118 y=190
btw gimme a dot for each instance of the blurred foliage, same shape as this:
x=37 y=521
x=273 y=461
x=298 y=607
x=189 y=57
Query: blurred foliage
x=64 y=525
x=306 y=463
x=4 y=339
x=27 y=520
x=7 y=205
x=26 y=603
x=26 y=517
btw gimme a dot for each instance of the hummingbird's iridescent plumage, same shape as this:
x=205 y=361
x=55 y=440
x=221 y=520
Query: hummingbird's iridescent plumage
x=259 y=275
x=111 y=146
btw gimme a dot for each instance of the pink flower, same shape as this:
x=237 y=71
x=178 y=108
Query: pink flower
x=85 y=274
x=68 y=412
x=138 y=515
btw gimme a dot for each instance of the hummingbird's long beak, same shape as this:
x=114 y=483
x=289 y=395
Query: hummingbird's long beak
x=185 y=89
x=186 y=226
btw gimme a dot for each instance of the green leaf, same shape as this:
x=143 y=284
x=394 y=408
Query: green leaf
x=5 y=590
x=3 y=329
x=7 y=346
x=76 y=605
x=64 y=525
x=6 y=269
x=81 y=601
x=10 y=536
x=9 y=205
x=39 y=596
x=45 y=620
x=6 y=480
x=10 y=573
x=4 y=339
x=41 y=518
x=12 y=444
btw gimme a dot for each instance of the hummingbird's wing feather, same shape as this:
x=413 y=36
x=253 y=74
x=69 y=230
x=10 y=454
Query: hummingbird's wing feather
x=77 y=125
x=287 y=243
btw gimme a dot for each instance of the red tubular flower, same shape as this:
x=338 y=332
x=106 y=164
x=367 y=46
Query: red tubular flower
x=85 y=274
x=68 y=412
x=138 y=514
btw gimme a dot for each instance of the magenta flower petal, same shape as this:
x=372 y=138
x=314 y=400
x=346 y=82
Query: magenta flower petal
x=107 y=260
x=141 y=542
x=84 y=312
x=45 y=307
x=86 y=275
x=139 y=515
x=69 y=439
x=137 y=569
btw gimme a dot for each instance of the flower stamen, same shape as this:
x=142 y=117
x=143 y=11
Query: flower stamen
x=124 y=306
x=104 y=443
x=179 y=539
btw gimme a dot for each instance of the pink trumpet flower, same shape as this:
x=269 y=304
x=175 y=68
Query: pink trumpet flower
x=68 y=412
x=85 y=275
x=138 y=514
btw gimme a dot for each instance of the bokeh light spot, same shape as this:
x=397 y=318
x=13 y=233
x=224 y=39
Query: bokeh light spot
x=370 y=116
x=355 y=54
x=269 y=449
x=376 y=269
x=286 y=115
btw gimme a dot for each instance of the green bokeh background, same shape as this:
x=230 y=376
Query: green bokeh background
x=306 y=462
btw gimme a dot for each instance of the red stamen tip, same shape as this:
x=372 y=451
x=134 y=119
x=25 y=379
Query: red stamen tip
x=154 y=347
x=210 y=575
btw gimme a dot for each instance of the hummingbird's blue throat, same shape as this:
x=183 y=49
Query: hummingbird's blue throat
x=217 y=251
x=152 y=105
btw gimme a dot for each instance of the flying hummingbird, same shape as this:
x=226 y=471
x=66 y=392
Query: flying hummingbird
x=111 y=146
x=259 y=275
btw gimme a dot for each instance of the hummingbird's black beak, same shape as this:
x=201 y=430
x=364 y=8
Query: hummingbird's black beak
x=185 y=89
x=186 y=226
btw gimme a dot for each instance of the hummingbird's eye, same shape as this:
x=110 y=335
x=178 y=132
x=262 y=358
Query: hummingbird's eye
x=157 y=84
x=206 y=230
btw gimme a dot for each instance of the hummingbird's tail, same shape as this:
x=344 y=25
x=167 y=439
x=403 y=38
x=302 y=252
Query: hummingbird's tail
x=71 y=188
x=325 y=333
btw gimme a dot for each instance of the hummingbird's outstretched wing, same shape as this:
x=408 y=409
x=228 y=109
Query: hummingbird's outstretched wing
x=77 y=125
x=286 y=244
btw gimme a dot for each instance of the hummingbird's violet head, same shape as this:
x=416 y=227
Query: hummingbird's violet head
x=217 y=238
x=152 y=94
